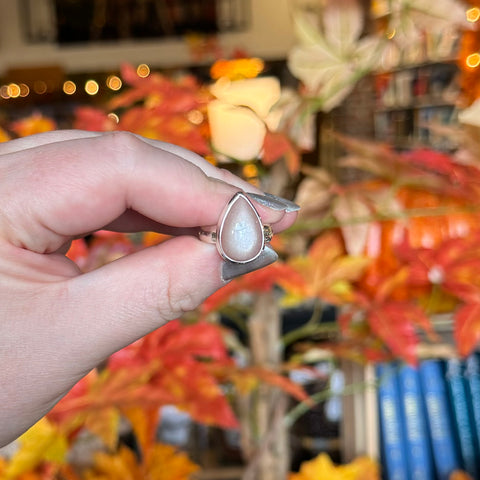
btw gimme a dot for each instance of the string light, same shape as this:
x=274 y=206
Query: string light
x=114 y=83
x=195 y=116
x=143 y=70
x=4 y=92
x=39 y=87
x=24 y=90
x=390 y=34
x=13 y=90
x=114 y=117
x=91 y=87
x=69 y=87
x=473 y=60
x=473 y=14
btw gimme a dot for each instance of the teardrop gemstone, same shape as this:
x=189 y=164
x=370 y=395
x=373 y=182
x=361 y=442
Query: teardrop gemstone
x=240 y=232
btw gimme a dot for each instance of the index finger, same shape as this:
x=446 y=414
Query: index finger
x=79 y=185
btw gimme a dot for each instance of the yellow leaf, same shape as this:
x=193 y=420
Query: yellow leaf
x=104 y=423
x=322 y=468
x=165 y=463
x=42 y=442
x=4 y=137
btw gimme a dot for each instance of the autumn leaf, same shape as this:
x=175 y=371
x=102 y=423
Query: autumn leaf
x=43 y=442
x=165 y=463
x=104 y=423
x=394 y=323
x=459 y=475
x=322 y=468
x=467 y=328
x=144 y=423
x=78 y=252
x=263 y=280
x=4 y=136
x=248 y=378
x=352 y=212
x=328 y=272
x=169 y=96
x=277 y=145
x=94 y=119
x=237 y=68
x=453 y=266
x=36 y=123
x=181 y=356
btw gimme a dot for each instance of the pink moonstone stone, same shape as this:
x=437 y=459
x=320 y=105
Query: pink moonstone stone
x=241 y=232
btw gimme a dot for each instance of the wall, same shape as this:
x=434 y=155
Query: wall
x=269 y=36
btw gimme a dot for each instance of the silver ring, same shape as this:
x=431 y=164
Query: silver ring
x=240 y=235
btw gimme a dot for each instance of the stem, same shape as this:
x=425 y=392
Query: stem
x=316 y=398
x=331 y=222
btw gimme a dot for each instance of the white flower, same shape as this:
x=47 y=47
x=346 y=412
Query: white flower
x=237 y=117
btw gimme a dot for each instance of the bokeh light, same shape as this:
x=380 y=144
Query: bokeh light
x=114 y=83
x=92 y=87
x=143 y=70
x=69 y=87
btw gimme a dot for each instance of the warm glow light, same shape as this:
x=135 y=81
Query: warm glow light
x=69 y=87
x=391 y=34
x=473 y=14
x=114 y=83
x=143 y=70
x=40 y=87
x=24 y=90
x=114 y=117
x=473 y=60
x=13 y=90
x=195 y=117
x=91 y=87
x=250 y=171
x=4 y=92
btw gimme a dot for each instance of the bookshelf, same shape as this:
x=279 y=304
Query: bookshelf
x=434 y=408
x=408 y=100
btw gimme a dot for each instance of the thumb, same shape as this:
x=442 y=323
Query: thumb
x=120 y=302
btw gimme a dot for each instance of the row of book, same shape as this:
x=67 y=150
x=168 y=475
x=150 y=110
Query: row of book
x=429 y=418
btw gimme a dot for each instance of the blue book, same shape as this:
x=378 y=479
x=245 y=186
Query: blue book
x=392 y=432
x=472 y=376
x=439 y=418
x=418 y=447
x=465 y=434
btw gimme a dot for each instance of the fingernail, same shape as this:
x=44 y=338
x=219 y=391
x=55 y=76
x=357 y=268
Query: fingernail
x=274 y=202
x=232 y=270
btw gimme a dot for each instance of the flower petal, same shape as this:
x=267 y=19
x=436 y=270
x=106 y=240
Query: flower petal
x=259 y=94
x=236 y=131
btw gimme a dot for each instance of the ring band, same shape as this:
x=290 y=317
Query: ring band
x=239 y=235
x=211 y=236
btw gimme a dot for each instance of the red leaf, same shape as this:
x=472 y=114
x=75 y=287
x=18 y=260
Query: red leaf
x=277 y=145
x=467 y=328
x=393 y=324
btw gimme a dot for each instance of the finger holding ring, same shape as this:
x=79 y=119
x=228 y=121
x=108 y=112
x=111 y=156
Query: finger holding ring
x=240 y=236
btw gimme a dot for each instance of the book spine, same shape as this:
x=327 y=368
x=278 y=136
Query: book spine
x=439 y=418
x=463 y=418
x=391 y=428
x=418 y=447
x=472 y=376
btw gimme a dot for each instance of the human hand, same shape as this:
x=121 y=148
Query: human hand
x=58 y=324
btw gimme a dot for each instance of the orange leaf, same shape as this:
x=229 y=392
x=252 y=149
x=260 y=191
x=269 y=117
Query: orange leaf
x=277 y=145
x=144 y=422
x=104 y=423
x=392 y=323
x=467 y=328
